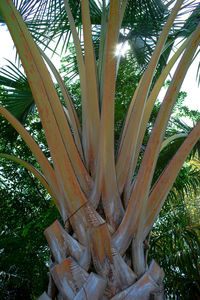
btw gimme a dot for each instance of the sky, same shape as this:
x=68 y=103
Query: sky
x=190 y=84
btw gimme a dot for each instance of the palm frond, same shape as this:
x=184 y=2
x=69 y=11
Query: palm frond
x=175 y=242
x=16 y=96
x=15 y=93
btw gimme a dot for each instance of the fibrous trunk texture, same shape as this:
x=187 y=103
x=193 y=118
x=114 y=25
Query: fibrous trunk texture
x=97 y=271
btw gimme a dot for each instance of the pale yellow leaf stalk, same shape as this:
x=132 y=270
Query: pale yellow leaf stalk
x=147 y=113
x=131 y=131
x=164 y=183
x=122 y=11
x=157 y=135
x=54 y=123
x=52 y=108
x=139 y=196
x=81 y=69
x=102 y=49
x=74 y=121
x=49 y=106
x=110 y=196
x=93 y=112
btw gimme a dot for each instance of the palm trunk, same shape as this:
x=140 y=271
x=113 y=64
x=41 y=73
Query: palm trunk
x=97 y=271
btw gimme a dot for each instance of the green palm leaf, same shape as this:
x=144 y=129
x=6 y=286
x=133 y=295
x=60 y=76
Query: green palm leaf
x=16 y=96
x=141 y=26
x=15 y=93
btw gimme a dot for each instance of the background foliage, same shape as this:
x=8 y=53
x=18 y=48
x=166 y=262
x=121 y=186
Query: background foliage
x=25 y=207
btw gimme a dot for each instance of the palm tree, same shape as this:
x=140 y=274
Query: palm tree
x=100 y=252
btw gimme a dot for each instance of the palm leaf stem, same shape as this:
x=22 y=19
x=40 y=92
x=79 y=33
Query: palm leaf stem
x=110 y=196
x=50 y=108
x=147 y=112
x=81 y=69
x=102 y=49
x=139 y=194
x=131 y=129
x=157 y=134
x=93 y=112
x=164 y=183
x=75 y=124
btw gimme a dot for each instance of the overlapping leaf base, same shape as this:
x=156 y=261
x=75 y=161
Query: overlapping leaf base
x=85 y=172
x=97 y=271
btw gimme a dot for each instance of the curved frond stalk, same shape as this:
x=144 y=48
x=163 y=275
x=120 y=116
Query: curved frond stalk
x=110 y=196
x=139 y=196
x=76 y=127
x=164 y=183
x=54 y=121
x=81 y=69
x=172 y=138
x=35 y=172
x=122 y=11
x=35 y=149
x=138 y=258
x=132 y=128
x=96 y=193
x=97 y=188
x=157 y=135
x=102 y=49
x=93 y=112
x=147 y=112
x=49 y=106
x=48 y=171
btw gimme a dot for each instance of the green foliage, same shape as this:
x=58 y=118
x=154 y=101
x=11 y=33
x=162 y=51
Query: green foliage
x=26 y=211
x=16 y=96
x=175 y=244
x=16 y=90
x=175 y=239
x=127 y=79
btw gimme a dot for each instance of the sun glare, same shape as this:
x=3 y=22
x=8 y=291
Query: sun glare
x=122 y=48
